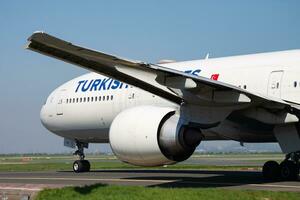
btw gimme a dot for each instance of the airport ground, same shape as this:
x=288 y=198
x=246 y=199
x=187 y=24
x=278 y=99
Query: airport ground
x=203 y=176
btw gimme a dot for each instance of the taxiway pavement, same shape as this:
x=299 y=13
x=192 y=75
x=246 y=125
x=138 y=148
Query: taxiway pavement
x=151 y=178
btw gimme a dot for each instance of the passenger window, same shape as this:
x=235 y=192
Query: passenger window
x=245 y=86
x=84 y=99
x=103 y=98
x=76 y=100
x=107 y=97
x=92 y=99
x=73 y=100
x=295 y=83
x=111 y=97
x=95 y=98
x=277 y=85
x=99 y=98
x=67 y=100
x=80 y=99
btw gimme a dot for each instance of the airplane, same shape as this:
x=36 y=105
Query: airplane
x=157 y=114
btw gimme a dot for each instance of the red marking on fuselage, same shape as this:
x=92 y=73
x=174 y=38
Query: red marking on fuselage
x=214 y=77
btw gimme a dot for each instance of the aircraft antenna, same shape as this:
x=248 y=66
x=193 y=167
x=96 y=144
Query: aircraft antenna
x=207 y=56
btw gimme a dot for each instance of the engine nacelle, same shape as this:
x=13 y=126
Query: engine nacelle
x=152 y=136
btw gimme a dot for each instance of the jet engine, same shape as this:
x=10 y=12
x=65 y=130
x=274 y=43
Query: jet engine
x=152 y=136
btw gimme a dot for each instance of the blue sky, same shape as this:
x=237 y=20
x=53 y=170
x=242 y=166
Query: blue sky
x=143 y=30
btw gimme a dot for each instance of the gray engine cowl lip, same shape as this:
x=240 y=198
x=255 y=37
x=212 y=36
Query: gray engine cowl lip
x=186 y=151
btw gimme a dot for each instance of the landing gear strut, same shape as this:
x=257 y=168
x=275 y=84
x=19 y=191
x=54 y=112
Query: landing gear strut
x=81 y=165
x=287 y=170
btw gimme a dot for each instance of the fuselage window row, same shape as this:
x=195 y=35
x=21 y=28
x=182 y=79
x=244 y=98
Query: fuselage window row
x=89 y=99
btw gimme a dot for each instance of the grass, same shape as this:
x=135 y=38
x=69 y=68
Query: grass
x=100 y=191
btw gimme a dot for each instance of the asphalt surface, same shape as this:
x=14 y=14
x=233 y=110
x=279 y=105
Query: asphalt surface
x=35 y=181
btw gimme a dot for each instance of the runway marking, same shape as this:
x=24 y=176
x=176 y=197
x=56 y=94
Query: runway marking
x=89 y=179
x=238 y=184
x=21 y=188
x=282 y=186
x=150 y=181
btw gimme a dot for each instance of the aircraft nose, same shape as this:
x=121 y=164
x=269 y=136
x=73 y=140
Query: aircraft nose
x=43 y=116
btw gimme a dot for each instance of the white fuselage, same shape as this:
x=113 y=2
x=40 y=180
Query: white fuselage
x=84 y=108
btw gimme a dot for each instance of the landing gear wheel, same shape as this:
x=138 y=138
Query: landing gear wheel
x=87 y=165
x=78 y=166
x=271 y=170
x=81 y=166
x=289 y=170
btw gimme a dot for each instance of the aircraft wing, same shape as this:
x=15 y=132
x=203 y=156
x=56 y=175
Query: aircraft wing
x=170 y=84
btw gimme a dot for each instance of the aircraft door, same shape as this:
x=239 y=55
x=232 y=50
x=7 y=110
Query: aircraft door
x=274 y=84
x=59 y=102
x=131 y=96
x=125 y=98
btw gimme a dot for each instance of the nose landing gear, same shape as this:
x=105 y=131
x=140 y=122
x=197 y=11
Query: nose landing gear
x=81 y=165
x=288 y=169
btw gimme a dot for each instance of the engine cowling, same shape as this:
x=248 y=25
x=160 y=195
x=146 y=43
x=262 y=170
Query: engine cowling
x=152 y=136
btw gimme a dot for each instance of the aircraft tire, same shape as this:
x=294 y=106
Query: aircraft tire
x=81 y=166
x=271 y=170
x=87 y=165
x=289 y=170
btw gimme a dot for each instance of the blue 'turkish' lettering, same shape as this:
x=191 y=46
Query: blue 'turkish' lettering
x=196 y=72
x=193 y=72
x=115 y=85
x=85 y=87
x=95 y=85
x=99 y=84
x=79 y=83
x=103 y=84
x=111 y=84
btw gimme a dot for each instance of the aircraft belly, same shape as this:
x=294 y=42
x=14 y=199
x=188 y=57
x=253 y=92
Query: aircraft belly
x=86 y=135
